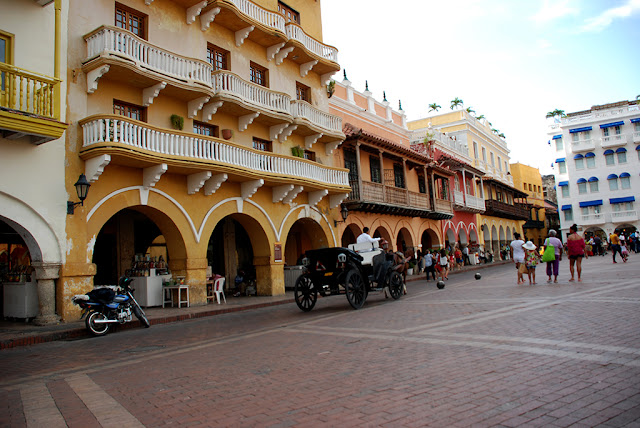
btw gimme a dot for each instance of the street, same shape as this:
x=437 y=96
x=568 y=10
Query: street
x=482 y=352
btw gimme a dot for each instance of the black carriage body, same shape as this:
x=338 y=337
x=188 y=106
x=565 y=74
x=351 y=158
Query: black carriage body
x=327 y=271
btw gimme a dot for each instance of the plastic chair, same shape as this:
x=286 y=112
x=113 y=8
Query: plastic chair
x=218 y=289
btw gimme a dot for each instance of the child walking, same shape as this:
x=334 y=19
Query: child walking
x=531 y=260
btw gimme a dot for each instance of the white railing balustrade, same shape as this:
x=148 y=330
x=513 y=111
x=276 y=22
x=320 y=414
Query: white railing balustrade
x=475 y=202
x=614 y=140
x=113 y=40
x=320 y=49
x=255 y=12
x=458 y=197
x=324 y=120
x=138 y=136
x=225 y=81
x=624 y=215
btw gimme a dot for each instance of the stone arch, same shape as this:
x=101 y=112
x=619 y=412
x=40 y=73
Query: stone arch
x=473 y=235
x=494 y=240
x=626 y=228
x=449 y=237
x=595 y=230
x=509 y=235
x=429 y=240
x=305 y=234
x=382 y=232
x=404 y=240
x=350 y=234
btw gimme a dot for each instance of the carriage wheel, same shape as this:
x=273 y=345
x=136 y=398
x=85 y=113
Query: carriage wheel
x=395 y=285
x=305 y=293
x=355 y=289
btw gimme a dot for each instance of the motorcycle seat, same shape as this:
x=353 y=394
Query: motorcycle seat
x=80 y=297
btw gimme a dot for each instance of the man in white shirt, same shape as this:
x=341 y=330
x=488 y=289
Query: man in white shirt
x=365 y=237
x=517 y=254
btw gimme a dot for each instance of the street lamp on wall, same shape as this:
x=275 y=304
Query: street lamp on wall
x=344 y=212
x=82 y=189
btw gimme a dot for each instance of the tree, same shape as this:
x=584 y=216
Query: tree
x=434 y=107
x=470 y=110
x=456 y=103
x=501 y=135
x=557 y=113
x=480 y=117
x=495 y=131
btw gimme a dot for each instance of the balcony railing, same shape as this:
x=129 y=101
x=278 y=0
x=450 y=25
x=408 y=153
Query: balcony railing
x=113 y=40
x=502 y=209
x=256 y=13
x=631 y=215
x=321 y=50
x=443 y=205
x=614 y=140
x=590 y=219
x=583 y=145
x=226 y=82
x=475 y=202
x=302 y=109
x=634 y=137
x=141 y=137
x=28 y=92
x=378 y=193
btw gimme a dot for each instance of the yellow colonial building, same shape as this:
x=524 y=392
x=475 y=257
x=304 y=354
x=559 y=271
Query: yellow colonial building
x=505 y=206
x=529 y=180
x=203 y=129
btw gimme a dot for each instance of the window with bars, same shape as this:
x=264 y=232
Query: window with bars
x=218 y=57
x=303 y=92
x=374 y=165
x=290 y=14
x=258 y=74
x=205 y=129
x=422 y=184
x=131 y=19
x=131 y=111
x=398 y=174
x=263 y=145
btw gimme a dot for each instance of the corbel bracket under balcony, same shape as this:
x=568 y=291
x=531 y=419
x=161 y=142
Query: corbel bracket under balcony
x=249 y=188
x=246 y=120
x=194 y=106
x=306 y=67
x=276 y=130
x=335 y=200
x=207 y=18
x=94 y=167
x=315 y=197
x=280 y=192
x=311 y=140
x=150 y=93
x=241 y=35
x=273 y=50
x=196 y=181
x=210 y=109
x=151 y=175
x=214 y=183
x=93 y=76
x=194 y=11
x=330 y=147
x=280 y=56
x=292 y=194
x=326 y=78
x=287 y=132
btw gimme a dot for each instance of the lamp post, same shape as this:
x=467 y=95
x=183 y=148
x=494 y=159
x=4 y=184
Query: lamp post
x=82 y=189
x=344 y=212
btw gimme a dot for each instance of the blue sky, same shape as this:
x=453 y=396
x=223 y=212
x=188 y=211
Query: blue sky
x=511 y=60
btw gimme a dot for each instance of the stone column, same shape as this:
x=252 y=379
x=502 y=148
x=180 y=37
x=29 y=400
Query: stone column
x=46 y=274
x=269 y=276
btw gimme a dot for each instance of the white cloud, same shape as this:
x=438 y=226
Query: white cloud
x=602 y=21
x=554 y=9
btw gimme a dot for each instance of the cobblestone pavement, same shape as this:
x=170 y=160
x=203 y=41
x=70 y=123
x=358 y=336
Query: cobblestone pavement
x=482 y=352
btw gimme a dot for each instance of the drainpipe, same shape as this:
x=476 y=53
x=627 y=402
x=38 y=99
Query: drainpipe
x=56 y=59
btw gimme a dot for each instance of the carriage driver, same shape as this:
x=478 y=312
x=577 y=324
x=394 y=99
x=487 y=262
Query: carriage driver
x=365 y=237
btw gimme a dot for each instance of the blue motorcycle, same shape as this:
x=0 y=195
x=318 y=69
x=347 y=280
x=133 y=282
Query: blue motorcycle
x=103 y=307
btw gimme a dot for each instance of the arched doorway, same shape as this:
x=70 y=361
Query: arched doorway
x=627 y=229
x=404 y=240
x=16 y=275
x=449 y=238
x=486 y=237
x=382 y=233
x=495 y=243
x=462 y=238
x=503 y=243
x=595 y=231
x=305 y=234
x=429 y=240
x=350 y=235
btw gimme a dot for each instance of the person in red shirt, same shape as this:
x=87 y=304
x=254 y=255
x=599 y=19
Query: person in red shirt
x=575 y=248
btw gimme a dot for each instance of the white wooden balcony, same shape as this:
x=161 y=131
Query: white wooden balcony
x=583 y=145
x=311 y=53
x=475 y=202
x=142 y=144
x=471 y=203
x=295 y=32
x=317 y=120
x=256 y=13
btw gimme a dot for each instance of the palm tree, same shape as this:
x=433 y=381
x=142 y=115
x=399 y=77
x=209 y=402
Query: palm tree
x=434 y=107
x=456 y=103
x=556 y=114
x=501 y=135
x=470 y=110
x=495 y=131
x=480 y=117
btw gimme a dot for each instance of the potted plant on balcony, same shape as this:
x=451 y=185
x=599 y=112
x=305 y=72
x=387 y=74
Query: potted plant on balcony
x=177 y=122
x=331 y=88
x=297 y=151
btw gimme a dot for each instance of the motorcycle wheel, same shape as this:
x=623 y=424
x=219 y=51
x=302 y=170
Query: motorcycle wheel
x=94 y=328
x=139 y=313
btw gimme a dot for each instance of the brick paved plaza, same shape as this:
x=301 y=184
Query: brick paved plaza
x=478 y=353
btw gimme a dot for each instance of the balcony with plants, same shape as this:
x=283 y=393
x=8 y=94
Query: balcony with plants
x=29 y=105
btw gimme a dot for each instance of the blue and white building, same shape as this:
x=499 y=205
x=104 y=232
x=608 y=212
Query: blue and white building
x=597 y=167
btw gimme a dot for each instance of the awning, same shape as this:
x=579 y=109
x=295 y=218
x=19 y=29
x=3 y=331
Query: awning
x=591 y=203
x=592 y=179
x=574 y=130
x=637 y=119
x=608 y=152
x=625 y=174
x=637 y=147
x=578 y=156
x=621 y=150
x=582 y=180
x=563 y=183
x=562 y=159
x=612 y=177
x=608 y=125
x=622 y=200
x=590 y=155
x=566 y=207
x=557 y=137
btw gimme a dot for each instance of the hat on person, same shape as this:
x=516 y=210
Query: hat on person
x=529 y=246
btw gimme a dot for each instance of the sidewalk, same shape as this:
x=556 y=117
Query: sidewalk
x=14 y=334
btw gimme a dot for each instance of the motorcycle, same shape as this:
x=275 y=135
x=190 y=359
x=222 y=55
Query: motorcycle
x=103 y=307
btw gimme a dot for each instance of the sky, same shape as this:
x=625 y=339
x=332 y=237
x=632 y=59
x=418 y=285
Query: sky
x=510 y=60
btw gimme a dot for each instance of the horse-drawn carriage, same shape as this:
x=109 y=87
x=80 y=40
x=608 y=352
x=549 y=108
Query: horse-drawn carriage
x=354 y=271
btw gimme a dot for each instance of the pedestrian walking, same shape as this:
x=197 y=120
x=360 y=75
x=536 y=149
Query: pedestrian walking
x=553 y=267
x=614 y=241
x=443 y=263
x=517 y=254
x=597 y=245
x=575 y=248
x=429 y=265
x=531 y=260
